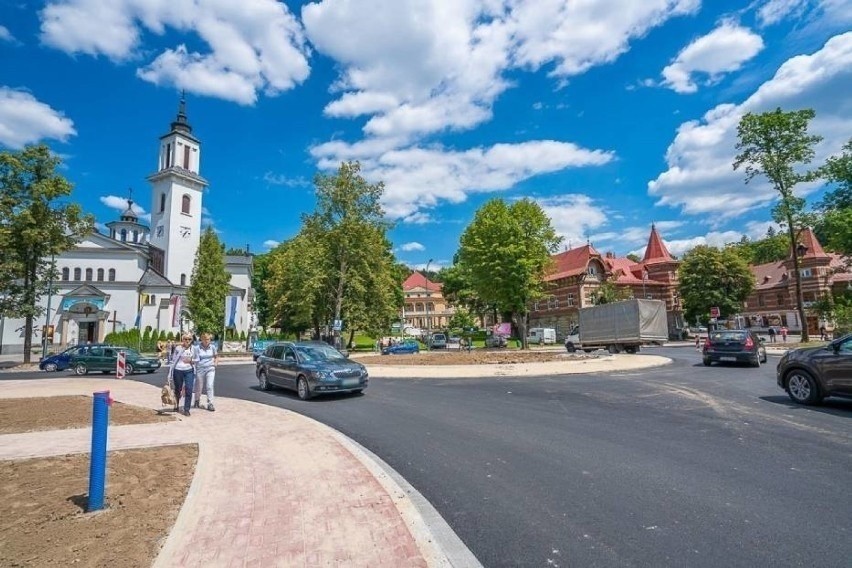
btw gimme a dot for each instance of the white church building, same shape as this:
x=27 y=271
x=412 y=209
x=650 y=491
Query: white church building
x=138 y=276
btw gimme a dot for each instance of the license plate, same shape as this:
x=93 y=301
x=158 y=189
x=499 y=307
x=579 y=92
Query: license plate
x=727 y=358
x=349 y=382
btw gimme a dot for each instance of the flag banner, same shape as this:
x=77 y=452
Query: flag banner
x=176 y=302
x=231 y=303
x=138 y=319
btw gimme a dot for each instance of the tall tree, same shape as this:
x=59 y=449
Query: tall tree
x=210 y=285
x=709 y=277
x=776 y=145
x=260 y=273
x=506 y=250
x=34 y=228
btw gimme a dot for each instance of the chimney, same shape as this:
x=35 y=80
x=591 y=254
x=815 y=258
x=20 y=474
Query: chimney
x=610 y=255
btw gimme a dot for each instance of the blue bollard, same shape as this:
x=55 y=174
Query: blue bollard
x=97 y=467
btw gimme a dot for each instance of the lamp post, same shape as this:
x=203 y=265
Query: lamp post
x=428 y=321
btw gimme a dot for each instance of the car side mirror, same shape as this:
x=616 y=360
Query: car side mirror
x=345 y=353
x=761 y=339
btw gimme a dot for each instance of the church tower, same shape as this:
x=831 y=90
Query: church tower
x=176 y=191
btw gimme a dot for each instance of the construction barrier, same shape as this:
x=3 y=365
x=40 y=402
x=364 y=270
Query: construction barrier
x=121 y=365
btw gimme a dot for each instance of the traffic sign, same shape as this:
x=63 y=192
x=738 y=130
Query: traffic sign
x=715 y=312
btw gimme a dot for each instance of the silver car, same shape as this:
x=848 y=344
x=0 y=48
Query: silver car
x=310 y=368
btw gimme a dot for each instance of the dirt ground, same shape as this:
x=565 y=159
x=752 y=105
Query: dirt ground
x=43 y=519
x=64 y=412
x=475 y=357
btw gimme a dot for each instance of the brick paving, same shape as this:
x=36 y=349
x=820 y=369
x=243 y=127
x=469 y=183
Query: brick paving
x=271 y=487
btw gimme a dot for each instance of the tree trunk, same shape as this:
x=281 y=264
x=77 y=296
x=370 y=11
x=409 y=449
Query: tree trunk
x=800 y=298
x=338 y=301
x=28 y=338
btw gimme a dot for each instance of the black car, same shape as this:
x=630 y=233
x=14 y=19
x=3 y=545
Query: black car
x=810 y=374
x=309 y=368
x=734 y=346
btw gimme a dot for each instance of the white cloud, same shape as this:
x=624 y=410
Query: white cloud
x=24 y=120
x=573 y=216
x=774 y=11
x=270 y=244
x=6 y=35
x=120 y=205
x=421 y=178
x=722 y=51
x=700 y=178
x=253 y=45
x=407 y=247
x=281 y=179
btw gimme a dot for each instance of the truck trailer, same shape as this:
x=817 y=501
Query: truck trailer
x=620 y=327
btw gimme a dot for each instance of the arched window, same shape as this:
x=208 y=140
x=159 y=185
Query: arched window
x=135 y=236
x=112 y=274
x=185 y=203
x=66 y=273
x=124 y=234
x=183 y=279
x=152 y=299
x=162 y=202
x=89 y=274
x=100 y=274
x=77 y=274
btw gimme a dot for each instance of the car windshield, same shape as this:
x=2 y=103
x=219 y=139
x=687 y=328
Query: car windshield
x=319 y=353
x=728 y=336
x=131 y=353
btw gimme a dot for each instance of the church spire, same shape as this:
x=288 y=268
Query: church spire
x=181 y=124
x=656 y=250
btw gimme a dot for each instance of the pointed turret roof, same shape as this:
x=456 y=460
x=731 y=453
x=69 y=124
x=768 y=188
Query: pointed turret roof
x=656 y=250
x=181 y=124
x=812 y=248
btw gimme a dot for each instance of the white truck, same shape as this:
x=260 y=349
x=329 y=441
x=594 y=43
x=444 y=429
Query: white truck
x=541 y=336
x=620 y=326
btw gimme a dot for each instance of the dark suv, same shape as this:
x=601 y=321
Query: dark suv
x=810 y=374
x=734 y=346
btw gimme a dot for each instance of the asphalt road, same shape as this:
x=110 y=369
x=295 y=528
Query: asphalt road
x=681 y=465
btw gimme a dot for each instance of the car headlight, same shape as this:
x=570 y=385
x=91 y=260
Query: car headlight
x=321 y=375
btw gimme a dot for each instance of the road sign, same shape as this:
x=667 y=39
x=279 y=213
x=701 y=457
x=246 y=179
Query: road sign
x=338 y=325
x=715 y=312
x=121 y=365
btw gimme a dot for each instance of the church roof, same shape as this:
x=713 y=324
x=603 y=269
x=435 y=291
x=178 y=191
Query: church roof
x=181 y=123
x=656 y=250
x=153 y=278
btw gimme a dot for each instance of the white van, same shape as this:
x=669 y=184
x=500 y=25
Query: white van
x=542 y=335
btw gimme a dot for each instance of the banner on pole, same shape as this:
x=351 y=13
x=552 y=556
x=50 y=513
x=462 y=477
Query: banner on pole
x=176 y=302
x=231 y=304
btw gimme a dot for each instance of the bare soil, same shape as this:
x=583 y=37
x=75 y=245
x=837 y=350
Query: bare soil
x=474 y=357
x=64 y=412
x=43 y=519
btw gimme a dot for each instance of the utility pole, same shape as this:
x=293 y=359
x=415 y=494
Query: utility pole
x=47 y=314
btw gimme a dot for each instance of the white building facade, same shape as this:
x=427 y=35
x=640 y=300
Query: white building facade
x=136 y=276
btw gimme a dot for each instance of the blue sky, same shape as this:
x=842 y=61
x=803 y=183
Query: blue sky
x=612 y=114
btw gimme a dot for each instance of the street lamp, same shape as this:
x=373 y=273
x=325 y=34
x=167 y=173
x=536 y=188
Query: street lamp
x=428 y=321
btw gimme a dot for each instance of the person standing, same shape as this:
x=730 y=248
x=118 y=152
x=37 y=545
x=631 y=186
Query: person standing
x=784 y=333
x=182 y=372
x=208 y=358
x=771 y=334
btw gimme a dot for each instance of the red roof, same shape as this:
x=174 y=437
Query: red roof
x=572 y=262
x=812 y=247
x=624 y=270
x=656 y=250
x=770 y=275
x=418 y=280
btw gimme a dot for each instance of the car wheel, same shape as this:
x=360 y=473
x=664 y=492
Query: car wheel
x=756 y=363
x=802 y=388
x=128 y=369
x=302 y=388
x=765 y=356
x=707 y=362
x=50 y=367
x=264 y=382
x=570 y=347
x=81 y=369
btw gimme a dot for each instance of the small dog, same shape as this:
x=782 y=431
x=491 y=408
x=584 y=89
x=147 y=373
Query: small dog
x=167 y=396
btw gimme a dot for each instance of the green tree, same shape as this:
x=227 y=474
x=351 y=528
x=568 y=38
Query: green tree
x=210 y=285
x=835 y=228
x=34 y=228
x=260 y=274
x=634 y=257
x=772 y=248
x=608 y=293
x=709 y=277
x=776 y=144
x=506 y=250
x=458 y=289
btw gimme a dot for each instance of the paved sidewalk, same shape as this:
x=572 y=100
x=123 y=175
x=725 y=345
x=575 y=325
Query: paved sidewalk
x=271 y=487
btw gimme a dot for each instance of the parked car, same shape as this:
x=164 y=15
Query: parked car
x=438 y=341
x=61 y=361
x=734 y=346
x=310 y=368
x=104 y=358
x=407 y=346
x=810 y=374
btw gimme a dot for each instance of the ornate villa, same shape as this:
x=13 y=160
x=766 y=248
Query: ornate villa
x=425 y=306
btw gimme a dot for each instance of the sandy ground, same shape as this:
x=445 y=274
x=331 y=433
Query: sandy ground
x=42 y=510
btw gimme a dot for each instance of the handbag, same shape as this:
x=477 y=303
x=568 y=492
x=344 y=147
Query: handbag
x=167 y=395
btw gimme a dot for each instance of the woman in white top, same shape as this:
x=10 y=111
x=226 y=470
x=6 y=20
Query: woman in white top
x=182 y=372
x=208 y=358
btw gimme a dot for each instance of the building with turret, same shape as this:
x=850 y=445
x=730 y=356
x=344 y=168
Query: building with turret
x=136 y=275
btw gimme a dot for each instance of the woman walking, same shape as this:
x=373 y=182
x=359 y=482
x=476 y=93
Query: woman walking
x=208 y=358
x=182 y=372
